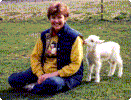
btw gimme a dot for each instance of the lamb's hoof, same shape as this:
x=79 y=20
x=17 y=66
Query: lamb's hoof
x=88 y=80
x=109 y=75
x=97 y=81
x=119 y=76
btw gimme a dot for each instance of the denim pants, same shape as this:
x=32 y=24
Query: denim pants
x=50 y=85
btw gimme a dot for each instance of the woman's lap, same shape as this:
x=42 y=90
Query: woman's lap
x=50 y=85
x=19 y=80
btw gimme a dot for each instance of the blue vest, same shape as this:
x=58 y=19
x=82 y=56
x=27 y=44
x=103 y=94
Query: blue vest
x=66 y=38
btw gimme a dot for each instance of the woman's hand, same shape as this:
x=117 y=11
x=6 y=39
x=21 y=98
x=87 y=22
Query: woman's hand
x=45 y=76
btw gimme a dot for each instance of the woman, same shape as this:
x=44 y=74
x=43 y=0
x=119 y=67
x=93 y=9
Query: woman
x=56 y=61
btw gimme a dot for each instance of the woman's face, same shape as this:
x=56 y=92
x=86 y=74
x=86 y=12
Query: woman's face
x=57 y=22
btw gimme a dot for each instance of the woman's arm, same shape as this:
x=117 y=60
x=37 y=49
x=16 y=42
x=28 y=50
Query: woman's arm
x=36 y=58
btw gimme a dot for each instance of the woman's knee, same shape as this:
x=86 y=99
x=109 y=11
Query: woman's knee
x=54 y=83
x=57 y=80
x=20 y=79
x=12 y=80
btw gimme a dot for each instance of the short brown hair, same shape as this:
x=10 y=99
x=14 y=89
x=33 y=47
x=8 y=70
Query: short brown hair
x=58 y=8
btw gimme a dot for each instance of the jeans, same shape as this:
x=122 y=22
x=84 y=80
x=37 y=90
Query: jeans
x=50 y=85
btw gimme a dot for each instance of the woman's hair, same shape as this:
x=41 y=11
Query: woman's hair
x=58 y=8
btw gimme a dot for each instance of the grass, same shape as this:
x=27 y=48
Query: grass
x=18 y=38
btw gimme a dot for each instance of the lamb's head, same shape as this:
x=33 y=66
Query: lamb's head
x=93 y=40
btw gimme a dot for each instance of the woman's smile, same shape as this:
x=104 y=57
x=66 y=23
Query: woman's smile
x=57 y=22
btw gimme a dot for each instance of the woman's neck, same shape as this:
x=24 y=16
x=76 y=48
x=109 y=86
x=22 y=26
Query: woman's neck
x=55 y=31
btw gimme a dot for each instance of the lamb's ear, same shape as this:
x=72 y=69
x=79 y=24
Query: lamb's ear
x=100 y=41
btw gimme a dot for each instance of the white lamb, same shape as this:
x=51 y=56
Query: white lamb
x=99 y=51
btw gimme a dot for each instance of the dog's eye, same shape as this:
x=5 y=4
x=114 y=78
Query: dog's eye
x=92 y=41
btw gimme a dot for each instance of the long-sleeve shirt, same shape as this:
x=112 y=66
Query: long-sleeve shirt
x=50 y=64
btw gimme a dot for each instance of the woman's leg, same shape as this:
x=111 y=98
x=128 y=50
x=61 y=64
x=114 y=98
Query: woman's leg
x=50 y=85
x=18 y=80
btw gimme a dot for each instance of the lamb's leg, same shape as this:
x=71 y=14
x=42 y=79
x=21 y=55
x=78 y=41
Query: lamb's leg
x=90 y=70
x=118 y=60
x=98 y=67
x=120 y=65
x=112 y=68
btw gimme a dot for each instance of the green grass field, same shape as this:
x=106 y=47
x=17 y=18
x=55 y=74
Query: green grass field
x=18 y=38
